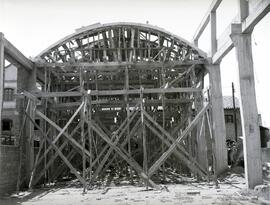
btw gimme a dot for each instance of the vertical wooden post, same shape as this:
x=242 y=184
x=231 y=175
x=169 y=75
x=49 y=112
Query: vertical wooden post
x=234 y=115
x=163 y=118
x=82 y=118
x=45 y=123
x=90 y=132
x=248 y=108
x=145 y=160
x=219 y=130
x=128 y=111
x=201 y=140
x=2 y=76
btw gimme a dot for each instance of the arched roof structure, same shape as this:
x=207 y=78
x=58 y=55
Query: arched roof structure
x=122 y=42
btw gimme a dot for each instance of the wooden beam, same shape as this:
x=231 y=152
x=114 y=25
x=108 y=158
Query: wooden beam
x=109 y=66
x=117 y=92
x=144 y=148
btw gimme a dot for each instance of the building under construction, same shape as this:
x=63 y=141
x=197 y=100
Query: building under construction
x=127 y=98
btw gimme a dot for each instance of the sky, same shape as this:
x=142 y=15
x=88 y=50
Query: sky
x=33 y=25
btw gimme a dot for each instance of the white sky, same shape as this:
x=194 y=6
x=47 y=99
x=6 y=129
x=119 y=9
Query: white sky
x=33 y=25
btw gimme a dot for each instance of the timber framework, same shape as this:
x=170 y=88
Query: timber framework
x=130 y=97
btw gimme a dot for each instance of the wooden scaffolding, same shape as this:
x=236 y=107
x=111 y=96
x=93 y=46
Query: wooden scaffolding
x=125 y=96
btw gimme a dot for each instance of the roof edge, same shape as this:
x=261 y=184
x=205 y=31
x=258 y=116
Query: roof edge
x=99 y=25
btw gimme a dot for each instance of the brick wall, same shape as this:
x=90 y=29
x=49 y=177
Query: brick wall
x=9 y=161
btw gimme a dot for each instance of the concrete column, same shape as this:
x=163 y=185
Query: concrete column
x=2 y=71
x=248 y=108
x=219 y=130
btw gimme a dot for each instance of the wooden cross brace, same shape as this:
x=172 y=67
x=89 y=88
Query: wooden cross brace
x=175 y=144
x=52 y=144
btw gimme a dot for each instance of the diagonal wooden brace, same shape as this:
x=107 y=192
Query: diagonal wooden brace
x=171 y=149
x=52 y=143
x=125 y=156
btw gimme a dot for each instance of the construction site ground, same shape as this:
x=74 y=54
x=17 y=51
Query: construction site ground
x=230 y=190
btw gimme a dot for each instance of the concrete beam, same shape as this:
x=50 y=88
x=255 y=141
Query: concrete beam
x=248 y=108
x=225 y=44
x=256 y=14
x=212 y=8
x=2 y=76
x=15 y=56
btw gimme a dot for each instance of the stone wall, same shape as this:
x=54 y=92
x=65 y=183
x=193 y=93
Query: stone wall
x=9 y=161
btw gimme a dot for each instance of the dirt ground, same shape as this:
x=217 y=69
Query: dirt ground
x=230 y=191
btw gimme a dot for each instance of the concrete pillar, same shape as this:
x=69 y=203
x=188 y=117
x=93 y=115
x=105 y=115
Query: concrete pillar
x=248 y=108
x=219 y=130
x=2 y=72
